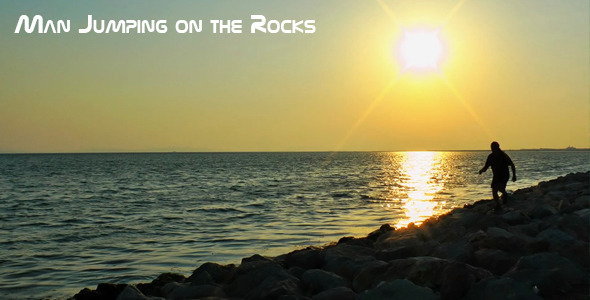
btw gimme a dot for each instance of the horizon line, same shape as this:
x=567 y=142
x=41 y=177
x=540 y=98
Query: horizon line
x=290 y=151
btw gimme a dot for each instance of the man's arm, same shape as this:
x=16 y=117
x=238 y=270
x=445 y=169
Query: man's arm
x=487 y=165
x=511 y=164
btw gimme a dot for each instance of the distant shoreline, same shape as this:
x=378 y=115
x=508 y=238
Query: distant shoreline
x=569 y=149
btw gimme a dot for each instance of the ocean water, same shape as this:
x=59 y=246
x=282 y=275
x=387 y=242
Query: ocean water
x=70 y=221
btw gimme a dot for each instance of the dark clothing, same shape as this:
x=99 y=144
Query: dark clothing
x=499 y=161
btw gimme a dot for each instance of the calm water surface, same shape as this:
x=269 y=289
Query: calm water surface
x=70 y=221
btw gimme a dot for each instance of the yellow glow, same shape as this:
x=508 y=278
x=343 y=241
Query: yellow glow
x=419 y=173
x=421 y=49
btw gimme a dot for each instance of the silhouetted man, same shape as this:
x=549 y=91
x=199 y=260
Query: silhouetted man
x=499 y=161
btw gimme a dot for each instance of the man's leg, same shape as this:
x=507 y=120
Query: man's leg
x=496 y=198
x=504 y=195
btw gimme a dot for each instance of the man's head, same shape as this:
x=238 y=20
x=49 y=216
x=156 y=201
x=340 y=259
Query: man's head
x=495 y=146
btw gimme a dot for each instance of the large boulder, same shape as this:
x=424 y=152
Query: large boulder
x=308 y=258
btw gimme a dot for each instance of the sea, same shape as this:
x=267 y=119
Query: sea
x=70 y=221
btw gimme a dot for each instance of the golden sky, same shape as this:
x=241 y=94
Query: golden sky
x=512 y=71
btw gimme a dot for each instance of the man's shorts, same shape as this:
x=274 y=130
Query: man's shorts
x=499 y=183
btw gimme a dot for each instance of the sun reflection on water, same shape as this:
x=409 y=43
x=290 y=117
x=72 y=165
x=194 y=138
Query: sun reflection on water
x=420 y=180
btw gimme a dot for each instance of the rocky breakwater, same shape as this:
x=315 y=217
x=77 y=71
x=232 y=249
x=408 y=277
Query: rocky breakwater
x=537 y=247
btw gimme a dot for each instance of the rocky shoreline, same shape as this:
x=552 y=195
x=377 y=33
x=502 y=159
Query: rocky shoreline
x=537 y=247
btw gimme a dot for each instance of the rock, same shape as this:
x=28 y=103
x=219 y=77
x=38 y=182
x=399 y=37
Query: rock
x=308 y=258
x=271 y=289
x=219 y=274
x=397 y=289
x=494 y=260
x=369 y=276
x=177 y=291
x=346 y=260
x=460 y=251
x=430 y=272
x=515 y=217
x=396 y=253
x=130 y=292
x=457 y=278
x=385 y=228
x=583 y=213
x=529 y=229
x=103 y=291
x=496 y=232
x=154 y=288
x=501 y=289
x=253 y=278
x=338 y=293
x=582 y=201
x=556 y=237
x=541 y=211
x=296 y=271
x=398 y=238
x=549 y=272
x=575 y=226
x=578 y=253
x=316 y=280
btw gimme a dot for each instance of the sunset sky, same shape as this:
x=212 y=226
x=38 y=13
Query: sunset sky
x=513 y=71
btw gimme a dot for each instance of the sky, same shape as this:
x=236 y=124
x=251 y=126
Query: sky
x=517 y=72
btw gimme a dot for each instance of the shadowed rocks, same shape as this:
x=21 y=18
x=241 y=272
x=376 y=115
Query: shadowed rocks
x=537 y=247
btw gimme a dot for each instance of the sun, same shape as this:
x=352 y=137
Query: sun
x=421 y=49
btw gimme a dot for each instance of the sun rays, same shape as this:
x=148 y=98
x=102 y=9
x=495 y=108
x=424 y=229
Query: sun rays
x=420 y=50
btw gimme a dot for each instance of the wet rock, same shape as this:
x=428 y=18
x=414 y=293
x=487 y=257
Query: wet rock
x=308 y=258
x=397 y=289
x=501 y=289
x=338 y=293
x=316 y=280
